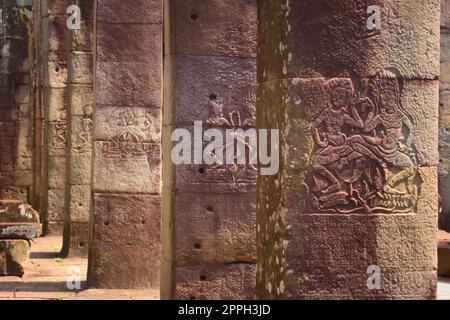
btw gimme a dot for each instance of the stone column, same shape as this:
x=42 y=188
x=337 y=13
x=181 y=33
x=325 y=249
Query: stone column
x=444 y=118
x=209 y=211
x=15 y=101
x=54 y=53
x=79 y=151
x=124 y=246
x=355 y=200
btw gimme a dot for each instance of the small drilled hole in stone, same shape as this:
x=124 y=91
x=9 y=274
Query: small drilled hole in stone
x=197 y=246
x=57 y=69
x=194 y=17
x=209 y=208
x=81 y=244
x=80 y=204
x=106 y=223
x=143 y=221
x=213 y=96
x=201 y=170
x=203 y=278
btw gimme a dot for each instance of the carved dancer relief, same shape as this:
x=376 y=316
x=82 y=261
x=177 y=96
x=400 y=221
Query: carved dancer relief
x=231 y=173
x=364 y=159
x=83 y=140
x=137 y=138
x=58 y=134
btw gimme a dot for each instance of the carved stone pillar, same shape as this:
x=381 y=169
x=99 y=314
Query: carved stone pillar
x=124 y=246
x=209 y=211
x=353 y=210
x=54 y=56
x=79 y=151
x=444 y=118
x=15 y=101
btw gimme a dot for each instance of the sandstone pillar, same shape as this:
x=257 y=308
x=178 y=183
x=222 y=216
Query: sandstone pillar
x=444 y=118
x=54 y=68
x=15 y=101
x=124 y=246
x=79 y=151
x=355 y=200
x=209 y=211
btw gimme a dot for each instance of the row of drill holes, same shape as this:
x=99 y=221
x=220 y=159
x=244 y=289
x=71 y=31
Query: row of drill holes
x=106 y=223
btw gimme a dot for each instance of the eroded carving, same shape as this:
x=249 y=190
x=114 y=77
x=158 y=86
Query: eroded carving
x=138 y=135
x=230 y=173
x=58 y=134
x=364 y=157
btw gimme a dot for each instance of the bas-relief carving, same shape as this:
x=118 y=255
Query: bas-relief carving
x=83 y=141
x=138 y=135
x=58 y=132
x=234 y=118
x=364 y=158
x=230 y=173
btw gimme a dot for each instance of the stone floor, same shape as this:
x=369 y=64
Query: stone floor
x=46 y=277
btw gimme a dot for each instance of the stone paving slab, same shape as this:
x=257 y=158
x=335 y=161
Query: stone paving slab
x=46 y=276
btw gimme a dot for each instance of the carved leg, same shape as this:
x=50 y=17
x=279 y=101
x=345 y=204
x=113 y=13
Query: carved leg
x=358 y=144
x=335 y=184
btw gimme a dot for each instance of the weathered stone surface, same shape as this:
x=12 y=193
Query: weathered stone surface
x=215 y=229
x=128 y=84
x=444 y=118
x=322 y=38
x=117 y=11
x=13 y=254
x=219 y=91
x=357 y=185
x=17 y=211
x=134 y=167
x=139 y=246
x=16 y=230
x=81 y=68
x=215 y=282
x=127 y=150
x=210 y=72
x=214 y=28
x=137 y=43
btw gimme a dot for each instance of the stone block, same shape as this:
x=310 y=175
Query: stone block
x=214 y=28
x=318 y=39
x=216 y=90
x=81 y=100
x=126 y=167
x=80 y=203
x=17 y=211
x=117 y=11
x=215 y=282
x=13 y=255
x=129 y=84
x=215 y=228
x=128 y=124
x=125 y=248
x=130 y=43
x=81 y=64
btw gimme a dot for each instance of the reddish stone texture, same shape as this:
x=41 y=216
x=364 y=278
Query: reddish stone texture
x=52 y=94
x=444 y=118
x=358 y=120
x=209 y=211
x=80 y=102
x=124 y=247
x=15 y=103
